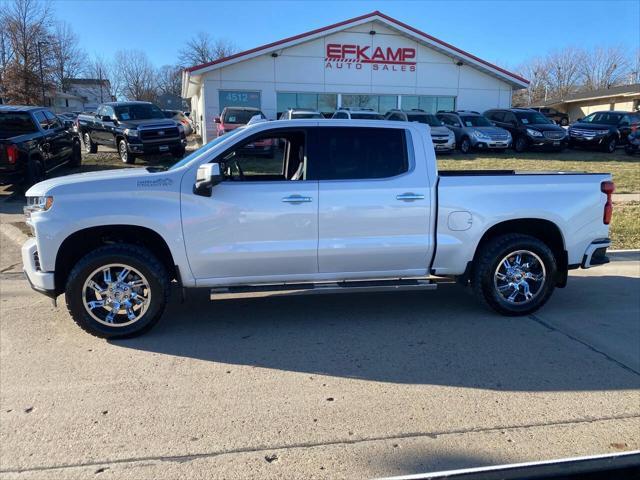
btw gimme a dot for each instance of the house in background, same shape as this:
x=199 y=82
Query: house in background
x=166 y=101
x=83 y=94
x=578 y=105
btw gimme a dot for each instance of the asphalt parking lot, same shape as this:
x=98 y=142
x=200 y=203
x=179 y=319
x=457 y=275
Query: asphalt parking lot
x=343 y=386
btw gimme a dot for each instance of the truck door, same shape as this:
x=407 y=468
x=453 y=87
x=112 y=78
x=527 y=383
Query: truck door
x=374 y=210
x=61 y=140
x=261 y=222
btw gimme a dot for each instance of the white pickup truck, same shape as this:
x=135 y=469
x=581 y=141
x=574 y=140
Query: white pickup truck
x=335 y=206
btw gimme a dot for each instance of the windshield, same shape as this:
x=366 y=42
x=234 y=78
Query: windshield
x=430 y=120
x=13 y=124
x=605 y=118
x=240 y=116
x=529 y=118
x=205 y=148
x=305 y=115
x=367 y=116
x=475 y=121
x=138 y=111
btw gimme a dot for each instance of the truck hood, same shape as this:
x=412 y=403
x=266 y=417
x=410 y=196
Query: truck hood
x=159 y=123
x=88 y=181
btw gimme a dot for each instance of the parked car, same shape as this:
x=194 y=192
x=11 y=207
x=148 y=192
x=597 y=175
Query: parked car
x=33 y=142
x=633 y=143
x=133 y=128
x=232 y=118
x=444 y=140
x=299 y=113
x=182 y=119
x=473 y=131
x=357 y=114
x=528 y=128
x=67 y=119
x=349 y=206
x=604 y=130
x=554 y=115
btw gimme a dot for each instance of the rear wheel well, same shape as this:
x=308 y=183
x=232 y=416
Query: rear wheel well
x=78 y=244
x=544 y=230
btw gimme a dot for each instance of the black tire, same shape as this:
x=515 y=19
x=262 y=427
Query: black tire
x=35 y=172
x=629 y=150
x=520 y=145
x=125 y=155
x=89 y=146
x=76 y=154
x=134 y=256
x=178 y=152
x=465 y=145
x=564 y=121
x=611 y=145
x=490 y=257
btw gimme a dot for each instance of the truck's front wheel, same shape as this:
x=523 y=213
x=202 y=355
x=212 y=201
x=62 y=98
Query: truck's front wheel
x=125 y=155
x=514 y=274
x=117 y=291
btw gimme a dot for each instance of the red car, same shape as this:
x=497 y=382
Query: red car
x=234 y=117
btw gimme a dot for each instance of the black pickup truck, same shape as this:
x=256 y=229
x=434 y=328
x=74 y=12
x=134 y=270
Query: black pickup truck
x=134 y=128
x=33 y=142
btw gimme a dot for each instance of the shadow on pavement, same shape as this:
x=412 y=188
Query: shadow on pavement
x=441 y=338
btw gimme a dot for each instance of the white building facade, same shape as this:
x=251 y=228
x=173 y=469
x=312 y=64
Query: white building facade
x=372 y=61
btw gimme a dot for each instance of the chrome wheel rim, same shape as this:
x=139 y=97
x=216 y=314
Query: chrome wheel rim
x=520 y=277
x=87 y=141
x=123 y=152
x=116 y=295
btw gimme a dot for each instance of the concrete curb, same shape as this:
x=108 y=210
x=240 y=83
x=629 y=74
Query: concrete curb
x=13 y=233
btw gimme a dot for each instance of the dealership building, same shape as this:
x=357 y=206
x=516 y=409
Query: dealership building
x=371 y=61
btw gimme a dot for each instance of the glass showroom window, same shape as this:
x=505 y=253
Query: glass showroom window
x=430 y=104
x=325 y=103
x=379 y=103
x=231 y=98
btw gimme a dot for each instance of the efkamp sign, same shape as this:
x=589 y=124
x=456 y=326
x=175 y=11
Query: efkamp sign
x=353 y=56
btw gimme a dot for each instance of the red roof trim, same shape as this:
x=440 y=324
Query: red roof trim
x=347 y=22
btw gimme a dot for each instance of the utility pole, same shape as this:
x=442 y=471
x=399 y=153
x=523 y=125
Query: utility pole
x=41 y=72
x=100 y=81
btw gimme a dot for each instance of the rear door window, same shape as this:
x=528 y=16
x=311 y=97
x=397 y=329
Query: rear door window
x=343 y=153
x=41 y=119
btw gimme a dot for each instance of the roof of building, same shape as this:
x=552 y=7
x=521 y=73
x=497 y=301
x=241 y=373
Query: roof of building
x=87 y=81
x=390 y=22
x=621 y=90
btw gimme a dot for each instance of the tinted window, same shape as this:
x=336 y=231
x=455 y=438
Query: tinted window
x=136 y=111
x=429 y=119
x=449 y=120
x=53 y=120
x=237 y=116
x=357 y=153
x=603 y=118
x=367 y=116
x=532 y=118
x=475 y=121
x=14 y=124
x=495 y=116
x=340 y=115
x=41 y=119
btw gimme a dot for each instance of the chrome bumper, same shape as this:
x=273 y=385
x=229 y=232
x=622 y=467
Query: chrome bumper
x=596 y=253
x=40 y=281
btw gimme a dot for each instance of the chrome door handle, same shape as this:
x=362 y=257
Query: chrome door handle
x=296 y=199
x=408 y=197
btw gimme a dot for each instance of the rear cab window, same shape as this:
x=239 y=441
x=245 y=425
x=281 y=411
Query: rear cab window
x=13 y=124
x=348 y=153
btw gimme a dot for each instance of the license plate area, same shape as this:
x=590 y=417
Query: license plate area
x=163 y=148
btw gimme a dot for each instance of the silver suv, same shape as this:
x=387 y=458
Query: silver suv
x=443 y=139
x=474 y=131
x=357 y=114
x=298 y=113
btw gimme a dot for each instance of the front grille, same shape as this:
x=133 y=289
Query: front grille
x=578 y=132
x=503 y=137
x=168 y=133
x=553 y=135
x=439 y=139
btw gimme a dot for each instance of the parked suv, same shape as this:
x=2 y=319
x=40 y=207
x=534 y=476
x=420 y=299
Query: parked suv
x=472 y=130
x=605 y=130
x=357 y=114
x=32 y=142
x=443 y=139
x=560 y=118
x=234 y=117
x=528 y=128
x=300 y=113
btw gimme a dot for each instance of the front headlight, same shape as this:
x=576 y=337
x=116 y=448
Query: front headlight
x=37 y=204
x=533 y=133
x=479 y=134
x=451 y=135
x=131 y=132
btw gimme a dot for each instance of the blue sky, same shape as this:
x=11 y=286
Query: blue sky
x=503 y=32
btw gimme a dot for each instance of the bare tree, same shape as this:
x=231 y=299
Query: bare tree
x=67 y=58
x=537 y=73
x=605 y=67
x=564 y=68
x=169 y=80
x=6 y=54
x=98 y=68
x=135 y=71
x=203 y=49
x=26 y=24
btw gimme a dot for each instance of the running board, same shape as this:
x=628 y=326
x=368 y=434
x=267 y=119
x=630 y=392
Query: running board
x=222 y=293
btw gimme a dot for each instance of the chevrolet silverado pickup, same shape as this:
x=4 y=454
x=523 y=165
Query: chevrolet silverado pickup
x=343 y=206
x=33 y=142
x=133 y=128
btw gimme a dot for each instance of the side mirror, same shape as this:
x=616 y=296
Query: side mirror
x=217 y=120
x=106 y=118
x=207 y=176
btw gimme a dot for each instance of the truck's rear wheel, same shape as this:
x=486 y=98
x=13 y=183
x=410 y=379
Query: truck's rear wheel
x=126 y=156
x=465 y=145
x=514 y=274
x=117 y=291
x=89 y=146
x=76 y=155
